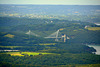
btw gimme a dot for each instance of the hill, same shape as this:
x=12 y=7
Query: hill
x=34 y=51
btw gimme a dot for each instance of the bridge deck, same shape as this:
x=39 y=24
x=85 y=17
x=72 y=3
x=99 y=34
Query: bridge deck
x=52 y=37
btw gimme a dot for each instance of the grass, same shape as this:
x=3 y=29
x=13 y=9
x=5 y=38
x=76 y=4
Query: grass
x=93 y=28
x=80 y=65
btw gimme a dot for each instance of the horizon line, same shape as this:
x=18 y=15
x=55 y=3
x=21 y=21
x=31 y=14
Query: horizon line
x=52 y=4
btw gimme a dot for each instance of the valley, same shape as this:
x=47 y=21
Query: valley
x=49 y=38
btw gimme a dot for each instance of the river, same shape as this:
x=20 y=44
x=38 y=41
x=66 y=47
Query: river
x=97 y=47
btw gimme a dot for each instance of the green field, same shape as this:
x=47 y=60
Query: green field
x=35 y=53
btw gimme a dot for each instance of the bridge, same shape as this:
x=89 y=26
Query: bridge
x=56 y=35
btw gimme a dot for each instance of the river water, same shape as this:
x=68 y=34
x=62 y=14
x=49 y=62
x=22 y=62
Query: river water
x=97 y=47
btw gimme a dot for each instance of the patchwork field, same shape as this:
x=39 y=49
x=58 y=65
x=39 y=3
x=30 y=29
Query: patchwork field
x=26 y=53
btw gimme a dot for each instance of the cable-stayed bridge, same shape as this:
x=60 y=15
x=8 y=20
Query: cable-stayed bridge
x=56 y=35
x=31 y=33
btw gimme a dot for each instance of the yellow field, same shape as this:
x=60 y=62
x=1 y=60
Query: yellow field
x=47 y=44
x=10 y=46
x=34 y=53
x=9 y=35
x=26 y=53
x=16 y=54
x=93 y=28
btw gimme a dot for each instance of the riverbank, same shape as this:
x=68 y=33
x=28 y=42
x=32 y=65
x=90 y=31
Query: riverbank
x=97 y=47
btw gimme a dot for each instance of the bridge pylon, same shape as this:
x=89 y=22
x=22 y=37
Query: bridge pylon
x=57 y=35
x=31 y=33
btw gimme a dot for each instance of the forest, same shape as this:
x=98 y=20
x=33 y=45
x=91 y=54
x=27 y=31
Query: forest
x=49 y=52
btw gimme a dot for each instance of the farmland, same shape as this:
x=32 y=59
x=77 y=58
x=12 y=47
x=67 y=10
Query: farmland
x=26 y=53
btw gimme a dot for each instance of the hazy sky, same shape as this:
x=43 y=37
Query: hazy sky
x=54 y=2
